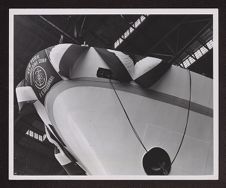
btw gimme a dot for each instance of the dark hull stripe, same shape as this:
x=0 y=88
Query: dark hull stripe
x=130 y=88
x=69 y=58
x=153 y=75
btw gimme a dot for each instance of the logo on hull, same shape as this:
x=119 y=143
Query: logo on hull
x=39 y=77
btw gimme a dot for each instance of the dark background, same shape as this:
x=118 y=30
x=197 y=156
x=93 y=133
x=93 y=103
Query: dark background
x=5 y=5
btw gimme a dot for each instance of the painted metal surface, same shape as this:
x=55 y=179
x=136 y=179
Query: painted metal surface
x=90 y=120
x=96 y=131
x=98 y=134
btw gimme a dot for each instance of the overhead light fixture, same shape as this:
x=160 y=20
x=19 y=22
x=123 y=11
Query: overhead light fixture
x=129 y=31
x=189 y=60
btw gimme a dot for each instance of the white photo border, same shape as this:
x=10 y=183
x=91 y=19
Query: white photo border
x=92 y=11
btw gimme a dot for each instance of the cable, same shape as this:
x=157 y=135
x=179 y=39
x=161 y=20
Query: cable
x=58 y=29
x=82 y=26
x=188 y=113
x=136 y=134
x=189 y=105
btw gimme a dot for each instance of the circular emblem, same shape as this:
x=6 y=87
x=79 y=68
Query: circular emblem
x=39 y=77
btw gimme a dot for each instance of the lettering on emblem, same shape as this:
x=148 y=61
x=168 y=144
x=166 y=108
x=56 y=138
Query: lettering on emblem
x=39 y=77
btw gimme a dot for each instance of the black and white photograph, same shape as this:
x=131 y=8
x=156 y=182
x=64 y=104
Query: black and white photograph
x=113 y=94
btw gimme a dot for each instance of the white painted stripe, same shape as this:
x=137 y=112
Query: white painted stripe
x=145 y=65
x=25 y=94
x=140 y=68
x=56 y=54
x=62 y=158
